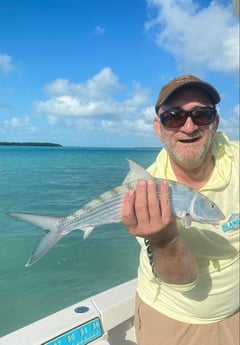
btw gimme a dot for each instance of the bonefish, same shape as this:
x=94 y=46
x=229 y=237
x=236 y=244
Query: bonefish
x=187 y=204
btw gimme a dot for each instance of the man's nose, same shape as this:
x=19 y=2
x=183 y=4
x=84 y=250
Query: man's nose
x=189 y=126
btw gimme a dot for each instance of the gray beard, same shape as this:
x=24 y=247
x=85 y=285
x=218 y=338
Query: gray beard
x=189 y=162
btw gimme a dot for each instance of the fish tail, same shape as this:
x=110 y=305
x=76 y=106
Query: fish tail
x=49 y=239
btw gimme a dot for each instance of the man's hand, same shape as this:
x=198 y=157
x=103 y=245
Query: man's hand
x=146 y=216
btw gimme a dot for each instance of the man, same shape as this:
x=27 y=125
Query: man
x=188 y=281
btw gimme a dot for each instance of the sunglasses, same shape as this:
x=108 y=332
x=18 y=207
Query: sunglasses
x=176 y=117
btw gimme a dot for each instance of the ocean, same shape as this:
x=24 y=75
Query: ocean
x=58 y=181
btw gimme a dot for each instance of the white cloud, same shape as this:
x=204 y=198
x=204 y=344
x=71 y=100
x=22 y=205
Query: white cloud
x=236 y=110
x=100 y=103
x=6 y=65
x=99 y=30
x=89 y=99
x=104 y=82
x=66 y=106
x=22 y=123
x=52 y=120
x=148 y=113
x=230 y=126
x=199 y=38
x=99 y=98
x=142 y=125
x=139 y=126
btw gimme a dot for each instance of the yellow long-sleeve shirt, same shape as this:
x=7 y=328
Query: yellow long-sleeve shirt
x=215 y=294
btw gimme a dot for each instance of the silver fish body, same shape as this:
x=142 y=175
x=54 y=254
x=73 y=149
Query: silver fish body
x=187 y=204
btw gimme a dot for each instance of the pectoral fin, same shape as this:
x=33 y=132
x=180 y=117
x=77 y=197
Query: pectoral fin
x=87 y=231
x=186 y=220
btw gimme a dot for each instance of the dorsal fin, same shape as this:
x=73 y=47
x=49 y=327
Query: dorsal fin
x=136 y=172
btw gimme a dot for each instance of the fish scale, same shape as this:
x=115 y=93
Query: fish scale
x=104 y=210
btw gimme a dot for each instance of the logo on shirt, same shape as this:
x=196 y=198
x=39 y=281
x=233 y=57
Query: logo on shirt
x=232 y=223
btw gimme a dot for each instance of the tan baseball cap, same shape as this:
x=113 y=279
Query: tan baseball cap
x=184 y=81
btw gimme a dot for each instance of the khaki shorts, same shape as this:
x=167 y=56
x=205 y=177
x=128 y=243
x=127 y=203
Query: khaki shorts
x=154 y=328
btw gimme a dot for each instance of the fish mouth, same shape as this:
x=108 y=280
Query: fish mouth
x=218 y=219
x=221 y=217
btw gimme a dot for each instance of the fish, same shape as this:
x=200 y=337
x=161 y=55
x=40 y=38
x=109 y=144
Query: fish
x=187 y=204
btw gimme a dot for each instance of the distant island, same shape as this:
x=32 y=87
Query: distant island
x=4 y=143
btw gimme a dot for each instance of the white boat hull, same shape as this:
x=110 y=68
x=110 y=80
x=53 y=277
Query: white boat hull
x=113 y=309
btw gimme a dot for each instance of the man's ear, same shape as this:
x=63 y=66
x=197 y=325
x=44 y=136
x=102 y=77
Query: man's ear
x=156 y=126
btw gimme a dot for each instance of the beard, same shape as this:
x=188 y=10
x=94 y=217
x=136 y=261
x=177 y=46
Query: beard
x=190 y=155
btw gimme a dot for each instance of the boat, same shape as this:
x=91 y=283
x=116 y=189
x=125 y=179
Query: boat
x=106 y=318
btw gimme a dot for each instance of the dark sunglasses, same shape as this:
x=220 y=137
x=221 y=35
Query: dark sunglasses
x=176 y=117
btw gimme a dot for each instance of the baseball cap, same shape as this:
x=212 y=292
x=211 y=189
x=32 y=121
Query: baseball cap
x=184 y=81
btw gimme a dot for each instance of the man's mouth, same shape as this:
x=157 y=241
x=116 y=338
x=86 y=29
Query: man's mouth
x=189 y=141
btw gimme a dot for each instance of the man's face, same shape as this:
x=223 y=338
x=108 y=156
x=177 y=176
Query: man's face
x=188 y=145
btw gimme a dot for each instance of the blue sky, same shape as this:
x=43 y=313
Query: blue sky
x=88 y=72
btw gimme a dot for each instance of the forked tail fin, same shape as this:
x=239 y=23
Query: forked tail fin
x=46 y=243
x=49 y=239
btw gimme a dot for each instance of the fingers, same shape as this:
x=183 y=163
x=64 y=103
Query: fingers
x=141 y=208
x=141 y=204
x=142 y=212
x=165 y=202
x=153 y=203
x=128 y=210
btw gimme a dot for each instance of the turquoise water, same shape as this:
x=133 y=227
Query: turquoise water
x=57 y=181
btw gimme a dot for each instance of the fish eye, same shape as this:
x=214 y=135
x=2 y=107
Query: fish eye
x=212 y=206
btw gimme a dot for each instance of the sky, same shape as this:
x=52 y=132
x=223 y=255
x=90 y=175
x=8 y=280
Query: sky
x=88 y=72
